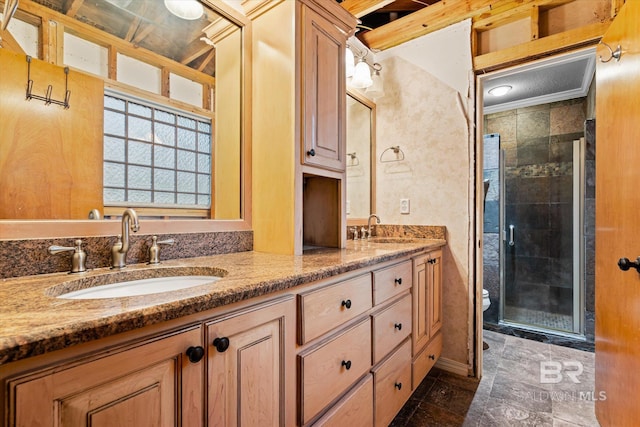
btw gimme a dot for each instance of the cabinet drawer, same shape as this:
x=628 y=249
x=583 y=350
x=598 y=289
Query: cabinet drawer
x=326 y=308
x=354 y=410
x=392 y=387
x=390 y=327
x=329 y=370
x=425 y=360
x=391 y=281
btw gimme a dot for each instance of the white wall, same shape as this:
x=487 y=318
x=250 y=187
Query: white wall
x=425 y=110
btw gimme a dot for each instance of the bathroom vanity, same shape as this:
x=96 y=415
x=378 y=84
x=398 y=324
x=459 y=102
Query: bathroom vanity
x=332 y=337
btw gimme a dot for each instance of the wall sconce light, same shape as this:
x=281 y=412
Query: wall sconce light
x=361 y=75
x=350 y=61
x=376 y=90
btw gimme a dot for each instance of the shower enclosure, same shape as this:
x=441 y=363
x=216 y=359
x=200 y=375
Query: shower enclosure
x=540 y=256
x=534 y=220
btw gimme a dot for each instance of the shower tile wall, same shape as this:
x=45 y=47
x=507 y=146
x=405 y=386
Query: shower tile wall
x=538 y=145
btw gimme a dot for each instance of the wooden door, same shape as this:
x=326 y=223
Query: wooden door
x=324 y=92
x=152 y=385
x=618 y=222
x=250 y=367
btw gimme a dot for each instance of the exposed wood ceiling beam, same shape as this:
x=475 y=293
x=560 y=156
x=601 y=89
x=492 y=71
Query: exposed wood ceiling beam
x=71 y=7
x=359 y=8
x=486 y=14
x=196 y=49
x=135 y=24
x=425 y=21
x=554 y=43
x=507 y=13
x=207 y=60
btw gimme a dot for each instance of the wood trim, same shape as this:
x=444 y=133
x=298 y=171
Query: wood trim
x=105 y=39
x=583 y=36
x=341 y=18
x=510 y=12
x=359 y=8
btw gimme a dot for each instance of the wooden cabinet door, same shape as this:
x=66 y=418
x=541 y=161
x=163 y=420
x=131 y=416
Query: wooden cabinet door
x=324 y=92
x=250 y=367
x=617 y=226
x=427 y=298
x=153 y=384
x=434 y=272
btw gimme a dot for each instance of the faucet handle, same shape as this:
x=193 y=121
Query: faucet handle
x=154 y=250
x=78 y=258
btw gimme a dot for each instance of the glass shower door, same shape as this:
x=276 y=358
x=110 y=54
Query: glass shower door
x=540 y=252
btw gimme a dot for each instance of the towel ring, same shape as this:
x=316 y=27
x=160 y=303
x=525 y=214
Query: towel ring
x=613 y=54
x=396 y=149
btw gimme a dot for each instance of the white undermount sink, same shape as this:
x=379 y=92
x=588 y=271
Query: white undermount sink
x=136 y=282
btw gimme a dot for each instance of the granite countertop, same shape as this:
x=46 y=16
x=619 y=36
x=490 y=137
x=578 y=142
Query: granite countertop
x=33 y=321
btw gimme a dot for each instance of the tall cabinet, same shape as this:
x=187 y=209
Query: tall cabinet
x=299 y=96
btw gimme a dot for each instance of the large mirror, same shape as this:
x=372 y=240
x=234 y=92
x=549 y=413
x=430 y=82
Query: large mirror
x=361 y=113
x=154 y=118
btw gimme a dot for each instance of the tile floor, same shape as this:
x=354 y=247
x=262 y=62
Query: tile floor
x=510 y=392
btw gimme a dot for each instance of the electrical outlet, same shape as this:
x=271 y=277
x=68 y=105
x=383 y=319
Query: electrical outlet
x=404 y=206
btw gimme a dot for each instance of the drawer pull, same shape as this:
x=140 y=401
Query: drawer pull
x=346 y=364
x=398 y=386
x=398 y=280
x=195 y=354
x=346 y=304
x=221 y=344
x=398 y=326
x=432 y=356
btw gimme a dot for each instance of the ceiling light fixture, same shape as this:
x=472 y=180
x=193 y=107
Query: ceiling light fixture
x=185 y=9
x=500 y=90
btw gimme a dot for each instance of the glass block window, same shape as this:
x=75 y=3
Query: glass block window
x=155 y=156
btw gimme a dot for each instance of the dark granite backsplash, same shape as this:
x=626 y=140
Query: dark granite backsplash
x=29 y=257
x=412 y=231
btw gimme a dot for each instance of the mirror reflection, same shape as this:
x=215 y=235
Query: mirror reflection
x=154 y=110
x=360 y=164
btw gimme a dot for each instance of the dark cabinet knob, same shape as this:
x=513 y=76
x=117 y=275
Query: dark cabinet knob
x=195 y=354
x=398 y=326
x=346 y=304
x=311 y=152
x=398 y=386
x=432 y=356
x=346 y=364
x=625 y=264
x=221 y=344
x=398 y=280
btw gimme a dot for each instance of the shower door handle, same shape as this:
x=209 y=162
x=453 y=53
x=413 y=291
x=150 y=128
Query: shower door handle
x=511 y=233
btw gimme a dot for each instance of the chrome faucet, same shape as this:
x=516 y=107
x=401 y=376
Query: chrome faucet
x=369 y=223
x=120 y=249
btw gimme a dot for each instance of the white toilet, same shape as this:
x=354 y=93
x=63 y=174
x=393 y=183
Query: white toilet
x=486 y=302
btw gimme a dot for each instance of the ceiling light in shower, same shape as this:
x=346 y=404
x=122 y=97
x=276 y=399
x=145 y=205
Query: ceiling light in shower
x=500 y=90
x=185 y=9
